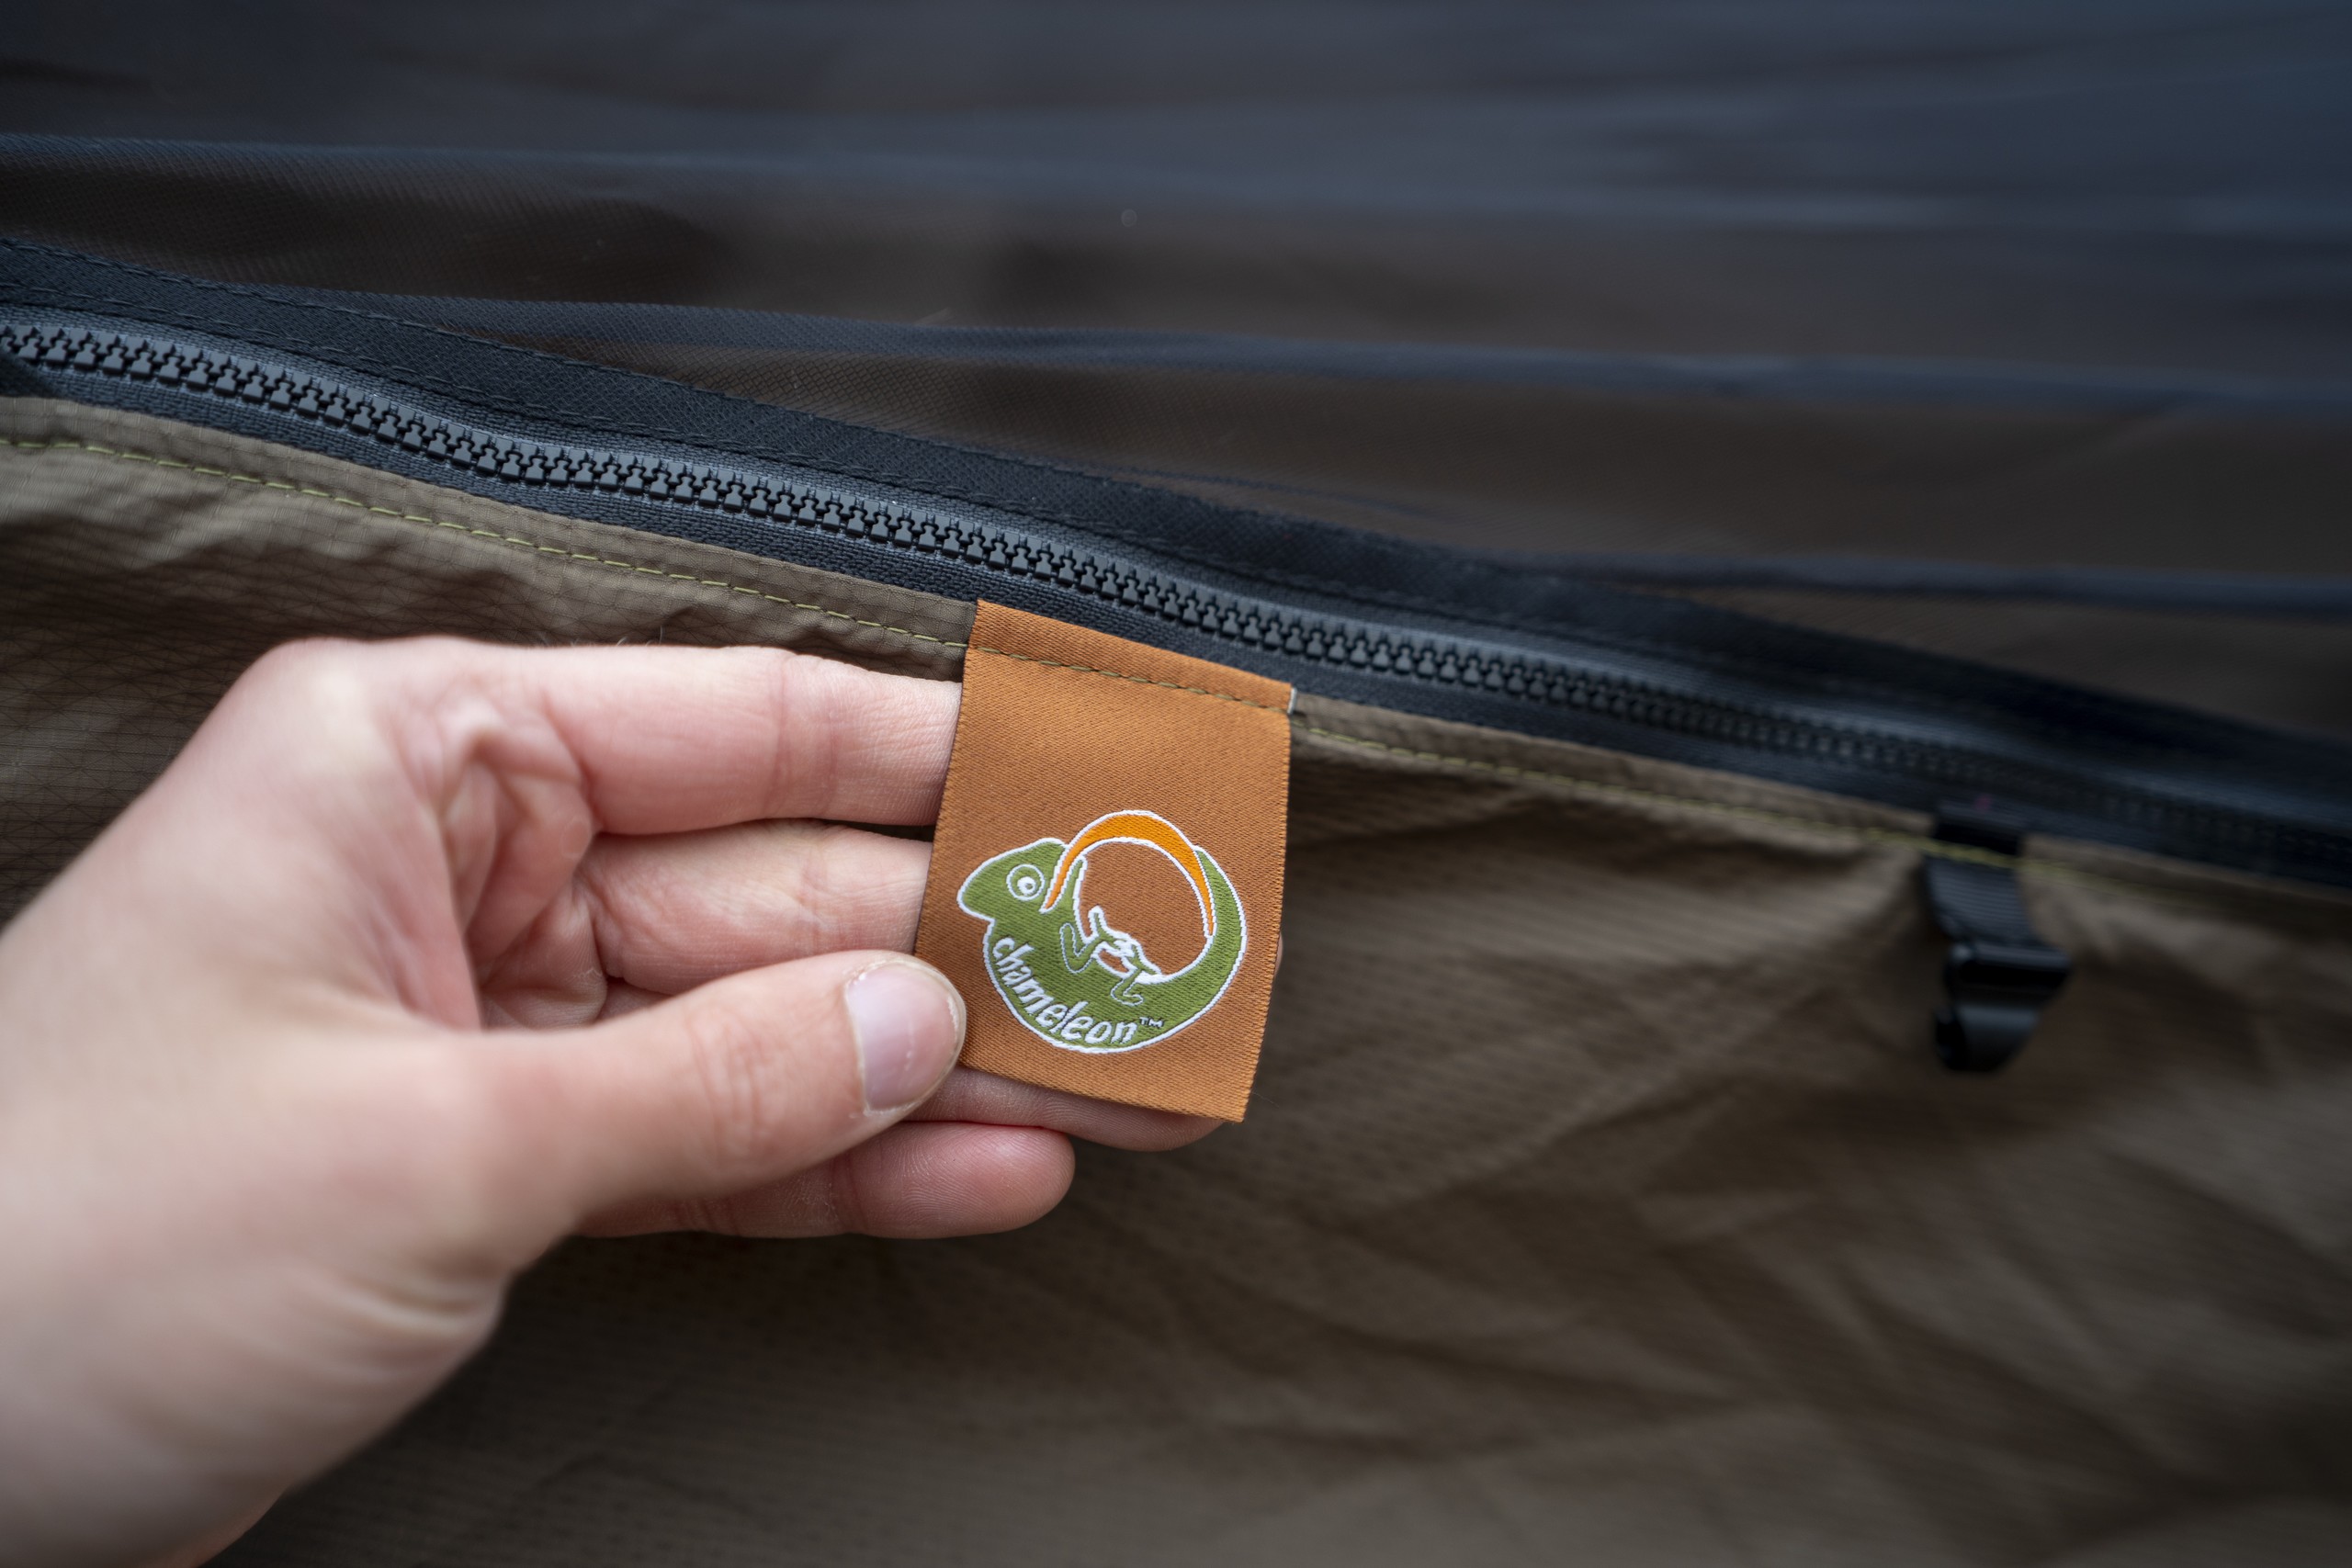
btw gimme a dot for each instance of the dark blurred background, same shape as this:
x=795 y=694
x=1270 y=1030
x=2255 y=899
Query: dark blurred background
x=2022 y=331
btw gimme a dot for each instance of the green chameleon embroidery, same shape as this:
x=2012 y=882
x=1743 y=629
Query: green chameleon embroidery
x=1073 y=978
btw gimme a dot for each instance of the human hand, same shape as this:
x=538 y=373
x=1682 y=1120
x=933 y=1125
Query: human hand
x=420 y=956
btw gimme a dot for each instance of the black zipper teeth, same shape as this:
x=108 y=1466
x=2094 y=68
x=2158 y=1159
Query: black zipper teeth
x=874 y=521
x=641 y=477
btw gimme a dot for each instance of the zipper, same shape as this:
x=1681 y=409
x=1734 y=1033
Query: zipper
x=873 y=520
x=1907 y=753
x=637 y=475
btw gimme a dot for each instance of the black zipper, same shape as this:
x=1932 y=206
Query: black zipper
x=592 y=470
x=2063 y=756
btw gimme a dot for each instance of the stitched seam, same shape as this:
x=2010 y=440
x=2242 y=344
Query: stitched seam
x=876 y=473
x=1913 y=841
x=1591 y=786
x=1122 y=675
x=883 y=475
x=522 y=542
x=1353 y=591
x=517 y=540
x=85 y=297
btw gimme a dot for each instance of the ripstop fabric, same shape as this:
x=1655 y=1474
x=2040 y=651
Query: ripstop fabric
x=1600 y=1199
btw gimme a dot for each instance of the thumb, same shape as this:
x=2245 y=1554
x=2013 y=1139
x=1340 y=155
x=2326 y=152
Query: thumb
x=739 y=1082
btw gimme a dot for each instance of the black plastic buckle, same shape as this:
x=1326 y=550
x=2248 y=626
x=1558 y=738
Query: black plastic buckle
x=1999 y=975
x=1998 y=992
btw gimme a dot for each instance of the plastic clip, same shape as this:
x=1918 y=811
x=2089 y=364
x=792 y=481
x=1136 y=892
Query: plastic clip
x=1999 y=974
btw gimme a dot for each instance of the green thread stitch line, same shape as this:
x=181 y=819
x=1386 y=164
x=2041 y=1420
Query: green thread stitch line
x=1913 y=841
x=521 y=542
x=1591 y=786
x=514 y=539
x=1122 y=675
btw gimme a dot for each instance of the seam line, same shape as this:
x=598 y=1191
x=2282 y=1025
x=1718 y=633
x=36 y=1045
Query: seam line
x=81 y=297
x=1122 y=675
x=1917 y=842
x=589 y=557
x=516 y=540
x=1913 y=841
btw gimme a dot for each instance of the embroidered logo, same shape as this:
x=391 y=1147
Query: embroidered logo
x=1074 y=979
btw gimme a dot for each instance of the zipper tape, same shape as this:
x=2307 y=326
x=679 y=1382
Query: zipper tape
x=1660 y=678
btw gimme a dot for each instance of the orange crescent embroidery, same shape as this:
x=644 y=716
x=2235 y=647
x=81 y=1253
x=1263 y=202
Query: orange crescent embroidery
x=1137 y=828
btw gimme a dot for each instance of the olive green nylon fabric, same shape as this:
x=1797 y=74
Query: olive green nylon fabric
x=148 y=562
x=1600 y=1202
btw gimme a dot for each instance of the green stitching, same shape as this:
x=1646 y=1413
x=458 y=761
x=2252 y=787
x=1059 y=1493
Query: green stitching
x=492 y=534
x=1913 y=841
x=1122 y=675
x=1658 y=797
x=522 y=543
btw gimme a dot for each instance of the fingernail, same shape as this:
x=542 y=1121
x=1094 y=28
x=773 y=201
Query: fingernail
x=910 y=1025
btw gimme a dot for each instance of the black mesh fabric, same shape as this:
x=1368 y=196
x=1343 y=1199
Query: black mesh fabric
x=1670 y=288
x=2076 y=182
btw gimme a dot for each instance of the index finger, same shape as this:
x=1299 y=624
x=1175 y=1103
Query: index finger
x=673 y=739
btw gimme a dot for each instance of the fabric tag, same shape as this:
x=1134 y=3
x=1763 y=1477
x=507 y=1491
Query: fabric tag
x=1106 y=880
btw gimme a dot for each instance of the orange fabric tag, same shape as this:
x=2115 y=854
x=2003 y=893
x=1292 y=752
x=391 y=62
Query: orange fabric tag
x=1106 y=882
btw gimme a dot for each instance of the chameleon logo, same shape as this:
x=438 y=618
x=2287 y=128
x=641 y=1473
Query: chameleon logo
x=1073 y=978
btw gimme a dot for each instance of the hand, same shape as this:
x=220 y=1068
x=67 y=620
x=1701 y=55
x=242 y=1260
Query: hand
x=420 y=956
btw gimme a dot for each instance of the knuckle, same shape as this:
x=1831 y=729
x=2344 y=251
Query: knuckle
x=741 y=1102
x=837 y=1205
x=712 y=1217
x=289 y=659
x=293 y=669
x=331 y=670
x=824 y=909
x=328 y=665
x=316 y=679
